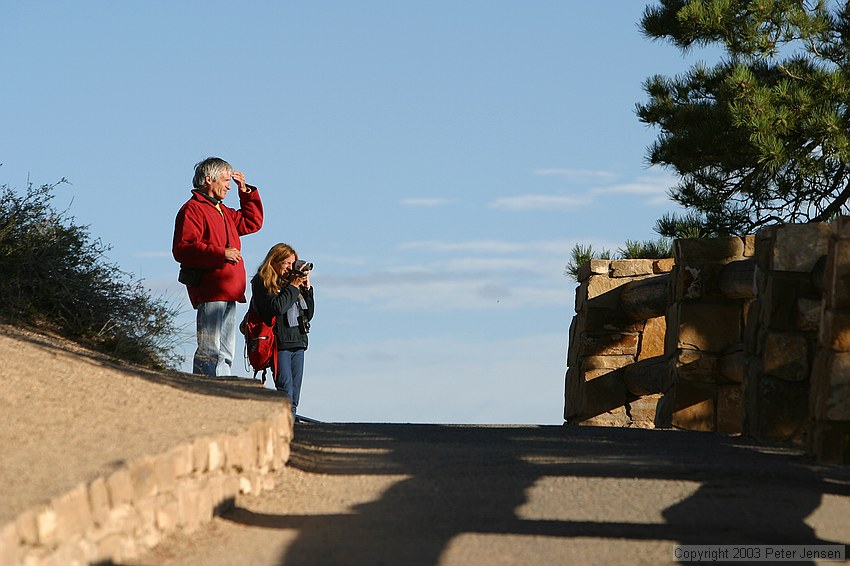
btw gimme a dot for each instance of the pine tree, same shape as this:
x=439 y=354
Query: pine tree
x=763 y=136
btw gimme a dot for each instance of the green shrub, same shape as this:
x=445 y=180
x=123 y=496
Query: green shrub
x=53 y=275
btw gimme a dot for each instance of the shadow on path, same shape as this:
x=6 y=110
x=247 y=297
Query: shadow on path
x=473 y=479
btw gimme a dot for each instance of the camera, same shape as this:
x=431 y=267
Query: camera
x=301 y=267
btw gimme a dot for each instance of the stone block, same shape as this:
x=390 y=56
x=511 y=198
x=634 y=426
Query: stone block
x=10 y=547
x=120 y=486
x=782 y=410
x=572 y=392
x=167 y=512
x=693 y=407
x=631 y=267
x=835 y=331
x=697 y=367
x=642 y=411
x=593 y=267
x=143 y=474
x=837 y=275
x=730 y=412
x=663 y=265
x=99 y=501
x=808 y=314
x=596 y=320
x=702 y=250
x=609 y=344
x=732 y=364
x=749 y=245
x=785 y=356
x=829 y=442
x=166 y=478
x=27 y=527
x=779 y=303
x=603 y=291
x=616 y=417
x=648 y=377
x=46 y=523
x=798 y=246
x=605 y=362
x=707 y=327
x=652 y=338
x=217 y=454
x=182 y=460
x=200 y=455
x=188 y=503
x=604 y=393
x=831 y=386
x=233 y=452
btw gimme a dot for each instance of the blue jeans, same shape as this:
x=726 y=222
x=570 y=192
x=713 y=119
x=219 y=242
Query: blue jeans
x=290 y=373
x=216 y=326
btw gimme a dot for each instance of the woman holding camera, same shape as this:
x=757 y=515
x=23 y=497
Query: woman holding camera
x=281 y=289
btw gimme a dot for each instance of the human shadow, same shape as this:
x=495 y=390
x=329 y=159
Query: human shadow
x=460 y=480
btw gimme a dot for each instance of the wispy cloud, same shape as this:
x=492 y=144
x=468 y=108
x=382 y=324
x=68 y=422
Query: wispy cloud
x=578 y=175
x=540 y=202
x=426 y=202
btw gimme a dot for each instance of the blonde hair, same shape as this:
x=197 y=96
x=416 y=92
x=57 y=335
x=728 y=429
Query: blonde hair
x=268 y=269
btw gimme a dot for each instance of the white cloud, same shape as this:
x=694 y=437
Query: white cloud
x=426 y=202
x=540 y=202
x=578 y=175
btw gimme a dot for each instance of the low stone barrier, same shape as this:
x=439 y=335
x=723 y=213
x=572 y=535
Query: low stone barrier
x=119 y=515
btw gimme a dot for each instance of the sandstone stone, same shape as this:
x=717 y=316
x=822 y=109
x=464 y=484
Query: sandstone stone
x=217 y=454
x=605 y=362
x=647 y=377
x=99 y=501
x=700 y=250
x=598 y=320
x=830 y=442
x=200 y=455
x=798 y=246
x=698 y=415
x=642 y=411
x=615 y=418
x=807 y=317
x=782 y=410
x=166 y=477
x=779 y=303
x=143 y=474
x=749 y=245
x=736 y=279
x=120 y=486
x=835 y=331
x=181 y=457
x=729 y=409
x=609 y=344
x=836 y=278
x=831 y=386
x=46 y=525
x=663 y=265
x=631 y=267
x=603 y=394
x=572 y=391
x=593 y=267
x=732 y=364
x=785 y=356
x=646 y=297
x=708 y=327
x=10 y=548
x=188 y=499
x=652 y=338
x=26 y=526
x=603 y=291
x=695 y=366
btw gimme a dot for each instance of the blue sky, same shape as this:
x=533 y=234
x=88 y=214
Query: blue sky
x=436 y=161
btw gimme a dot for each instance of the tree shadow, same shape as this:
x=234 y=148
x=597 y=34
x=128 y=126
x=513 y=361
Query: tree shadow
x=472 y=480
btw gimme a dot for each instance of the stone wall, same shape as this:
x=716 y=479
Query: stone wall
x=782 y=335
x=605 y=339
x=710 y=294
x=829 y=432
x=119 y=515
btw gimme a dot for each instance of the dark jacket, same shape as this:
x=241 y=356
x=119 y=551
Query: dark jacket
x=269 y=306
x=201 y=233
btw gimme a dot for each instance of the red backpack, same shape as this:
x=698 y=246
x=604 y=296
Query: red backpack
x=260 y=343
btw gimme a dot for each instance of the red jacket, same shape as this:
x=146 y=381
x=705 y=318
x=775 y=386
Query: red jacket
x=200 y=235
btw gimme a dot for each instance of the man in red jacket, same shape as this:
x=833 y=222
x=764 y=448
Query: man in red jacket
x=207 y=245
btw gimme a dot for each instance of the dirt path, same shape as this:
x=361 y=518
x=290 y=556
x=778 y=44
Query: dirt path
x=452 y=495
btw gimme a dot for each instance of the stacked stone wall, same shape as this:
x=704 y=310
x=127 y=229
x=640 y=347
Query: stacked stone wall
x=605 y=339
x=119 y=515
x=710 y=295
x=782 y=334
x=829 y=433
